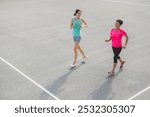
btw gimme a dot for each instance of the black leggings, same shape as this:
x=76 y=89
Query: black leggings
x=116 y=53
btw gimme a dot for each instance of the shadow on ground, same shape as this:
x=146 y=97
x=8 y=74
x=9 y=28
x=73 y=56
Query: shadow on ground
x=56 y=87
x=104 y=92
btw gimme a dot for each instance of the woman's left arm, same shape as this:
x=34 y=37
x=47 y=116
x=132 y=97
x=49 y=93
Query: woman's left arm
x=85 y=24
x=127 y=39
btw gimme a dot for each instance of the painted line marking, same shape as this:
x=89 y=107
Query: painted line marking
x=139 y=93
x=27 y=77
x=127 y=3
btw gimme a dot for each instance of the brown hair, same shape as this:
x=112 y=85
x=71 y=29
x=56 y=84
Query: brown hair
x=119 y=21
x=77 y=11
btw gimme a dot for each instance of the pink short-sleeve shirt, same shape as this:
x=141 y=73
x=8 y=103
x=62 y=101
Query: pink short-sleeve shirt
x=116 y=36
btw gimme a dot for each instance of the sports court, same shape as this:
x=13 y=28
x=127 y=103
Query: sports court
x=36 y=50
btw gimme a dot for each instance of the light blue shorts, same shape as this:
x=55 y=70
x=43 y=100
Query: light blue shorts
x=77 y=38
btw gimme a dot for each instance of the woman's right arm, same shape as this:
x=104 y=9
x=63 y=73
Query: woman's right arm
x=107 y=40
x=71 y=24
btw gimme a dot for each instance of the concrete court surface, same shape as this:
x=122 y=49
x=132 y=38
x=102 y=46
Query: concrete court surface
x=36 y=50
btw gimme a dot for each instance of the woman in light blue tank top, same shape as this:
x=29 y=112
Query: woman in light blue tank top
x=76 y=24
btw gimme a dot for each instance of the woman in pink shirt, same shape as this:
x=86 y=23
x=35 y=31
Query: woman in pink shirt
x=116 y=37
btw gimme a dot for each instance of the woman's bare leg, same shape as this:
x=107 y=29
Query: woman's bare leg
x=114 y=67
x=75 y=52
x=121 y=62
x=81 y=50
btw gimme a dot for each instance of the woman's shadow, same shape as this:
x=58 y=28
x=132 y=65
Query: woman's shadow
x=104 y=92
x=56 y=87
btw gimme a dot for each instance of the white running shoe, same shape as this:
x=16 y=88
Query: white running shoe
x=72 y=66
x=111 y=73
x=85 y=59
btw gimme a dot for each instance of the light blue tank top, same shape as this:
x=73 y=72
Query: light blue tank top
x=76 y=27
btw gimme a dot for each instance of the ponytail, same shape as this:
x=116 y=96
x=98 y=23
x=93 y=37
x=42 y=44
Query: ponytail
x=77 y=10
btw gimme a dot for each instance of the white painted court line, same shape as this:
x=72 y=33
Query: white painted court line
x=139 y=93
x=27 y=77
x=127 y=3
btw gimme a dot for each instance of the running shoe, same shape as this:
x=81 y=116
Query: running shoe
x=85 y=59
x=72 y=66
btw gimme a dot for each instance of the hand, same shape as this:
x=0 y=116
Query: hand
x=71 y=27
x=124 y=47
x=106 y=40
x=84 y=26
